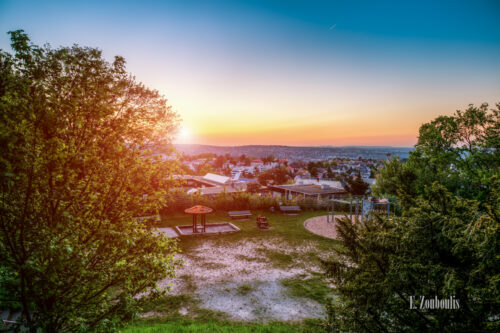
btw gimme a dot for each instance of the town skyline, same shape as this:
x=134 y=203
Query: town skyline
x=310 y=74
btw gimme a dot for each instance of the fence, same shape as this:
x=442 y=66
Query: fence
x=178 y=201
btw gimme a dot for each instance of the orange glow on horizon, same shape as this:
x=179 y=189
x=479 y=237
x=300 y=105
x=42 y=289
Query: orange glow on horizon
x=334 y=134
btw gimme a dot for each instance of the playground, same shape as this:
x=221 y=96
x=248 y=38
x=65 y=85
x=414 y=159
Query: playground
x=359 y=208
x=253 y=274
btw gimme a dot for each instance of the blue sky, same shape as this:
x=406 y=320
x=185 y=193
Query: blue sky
x=289 y=72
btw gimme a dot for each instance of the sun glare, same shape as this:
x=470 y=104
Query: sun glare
x=185 y=133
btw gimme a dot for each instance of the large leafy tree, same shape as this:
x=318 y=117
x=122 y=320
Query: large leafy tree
x=74 y=168
x=461 y=151
x=356 y=185
x=445 y=242
x=277 y=176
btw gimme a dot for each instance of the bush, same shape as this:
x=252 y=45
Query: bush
x=179 y=200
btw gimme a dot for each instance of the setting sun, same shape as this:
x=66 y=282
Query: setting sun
x=185 y=135
x=185 y=132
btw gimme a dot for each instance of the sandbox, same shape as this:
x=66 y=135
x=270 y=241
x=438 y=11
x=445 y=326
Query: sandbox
x=169 y=232
x=210 y=229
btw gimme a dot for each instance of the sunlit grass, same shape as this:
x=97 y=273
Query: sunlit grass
x=313 y=288
x=181 y=326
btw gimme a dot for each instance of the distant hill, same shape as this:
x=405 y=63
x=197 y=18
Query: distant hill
x=294 y=153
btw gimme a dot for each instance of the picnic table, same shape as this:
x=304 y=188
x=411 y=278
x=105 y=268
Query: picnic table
x=291 y=210
x=240 y=214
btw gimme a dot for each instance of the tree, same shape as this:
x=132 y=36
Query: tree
x=226 y=171
x=460 y=151
x=312 y=167
x=253 y=187
x=74 y=132
x=268 y=159
x=396 y=179
x=277 y=175
x=444 y=243
x=203 y=169
x=314 y=172
x=384 y=262
x=356 y=185
x=329 y=173
x=219 y=162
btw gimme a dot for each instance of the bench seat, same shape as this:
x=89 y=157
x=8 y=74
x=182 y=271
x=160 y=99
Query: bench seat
x=290 y=209
x=240 y=214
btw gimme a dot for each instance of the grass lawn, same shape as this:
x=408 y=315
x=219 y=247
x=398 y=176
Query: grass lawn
x=282 y=261
x=181 y=326
x=289 y=228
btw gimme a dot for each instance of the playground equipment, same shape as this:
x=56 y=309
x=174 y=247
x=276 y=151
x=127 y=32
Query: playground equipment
x=363 y=206
x=206 y=228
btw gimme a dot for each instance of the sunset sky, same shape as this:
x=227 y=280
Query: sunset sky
x=289 y=72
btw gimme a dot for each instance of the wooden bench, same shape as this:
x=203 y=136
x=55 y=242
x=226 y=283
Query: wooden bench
x=240 y=214
x=290 y=210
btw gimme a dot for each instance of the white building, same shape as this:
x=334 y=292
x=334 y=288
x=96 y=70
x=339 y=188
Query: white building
x=314 y=181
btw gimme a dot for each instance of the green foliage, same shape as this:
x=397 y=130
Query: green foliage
x=276 y=176
x=219 y=162
x=268 y=159
x=462 y=152
x=307 y=203
x=220 y=327
x=385 y=261
x=74 y=165
x=169 y=305
x=278 y=258
x=394 y=176
x=356 y=185
x=253 y=187
x=179 y=200
x=314 y=288
x=244 y=289
x=444 y=243
x=203 y=169
x=329 y=173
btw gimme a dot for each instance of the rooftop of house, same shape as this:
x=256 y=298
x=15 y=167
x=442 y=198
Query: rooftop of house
x=315 y=181
x=309 y=189
x=198 y=179
x=216 y=190
x=216 y=178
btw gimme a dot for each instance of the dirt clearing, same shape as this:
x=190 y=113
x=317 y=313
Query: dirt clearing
x=243 y=279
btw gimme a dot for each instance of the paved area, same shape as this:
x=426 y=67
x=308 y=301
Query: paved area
x=318 y=225
x=169 y=232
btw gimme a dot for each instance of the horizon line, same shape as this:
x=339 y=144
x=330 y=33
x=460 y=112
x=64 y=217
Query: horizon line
x=293 y=146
